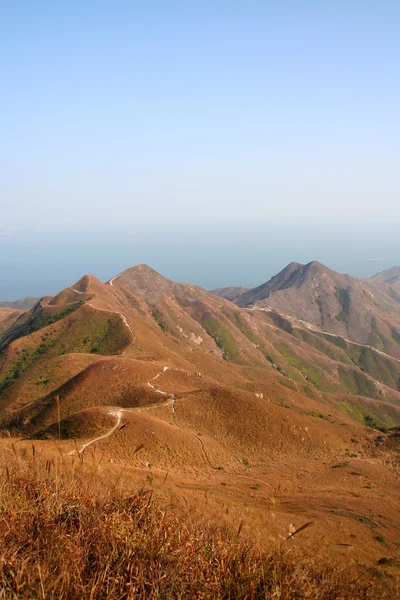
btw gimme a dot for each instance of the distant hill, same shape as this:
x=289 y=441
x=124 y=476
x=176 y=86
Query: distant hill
x=229 y=293
x=364 y=311
x=391 y=275
x=23 y=304
x=289 y=276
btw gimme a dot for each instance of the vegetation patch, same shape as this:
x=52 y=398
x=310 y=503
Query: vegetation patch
x=281 y=322
x=97 y=333
x=381 y=368
x=246 y=330
x=381 y=539
x=343 y=295
x=25 y=359
x=321 y=310
x=356 y=382
x=317 y=414
x=310 y=371
x=44 y=319
x=372 y=415
x=326 y=345
x=159 y=320
x=223 y=338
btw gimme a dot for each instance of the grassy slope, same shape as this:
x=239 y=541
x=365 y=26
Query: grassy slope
x=78 y=541
x=84 y=330
x=214 y=425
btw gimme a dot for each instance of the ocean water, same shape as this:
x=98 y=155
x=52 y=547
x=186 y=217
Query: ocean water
x=211 y=255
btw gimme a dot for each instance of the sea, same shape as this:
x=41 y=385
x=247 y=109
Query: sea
x=38 y=262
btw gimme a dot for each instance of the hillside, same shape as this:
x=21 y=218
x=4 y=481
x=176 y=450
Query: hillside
x=246 y=413
x=8 y=316
x=103 y=544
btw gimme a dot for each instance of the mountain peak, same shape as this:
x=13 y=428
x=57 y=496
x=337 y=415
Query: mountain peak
x=294 y=275
x=85 y=287
x=292 y=266
x=86 y=282
x=315 y=264
x=145 y=282
x=144 y=270
x=315 y=268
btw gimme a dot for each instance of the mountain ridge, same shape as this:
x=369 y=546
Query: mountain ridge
x=215 y=403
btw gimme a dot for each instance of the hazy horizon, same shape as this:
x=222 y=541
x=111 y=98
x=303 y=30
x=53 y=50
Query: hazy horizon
x=40 y=263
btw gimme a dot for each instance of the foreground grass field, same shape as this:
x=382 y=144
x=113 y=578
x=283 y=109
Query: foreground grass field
x=66 y=535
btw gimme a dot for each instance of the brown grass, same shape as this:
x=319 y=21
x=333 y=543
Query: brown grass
x=66 y=536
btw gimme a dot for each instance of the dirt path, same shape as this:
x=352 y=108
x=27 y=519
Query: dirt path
x=172 y=402
x=115 y=312
x=76 y=291
x=111 y=280
x=157 y=389
x=118 y=412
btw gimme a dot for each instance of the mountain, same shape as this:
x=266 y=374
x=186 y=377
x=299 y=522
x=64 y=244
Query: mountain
x=364 y=311
x=142 y=314
x=247 y=410
x=23 y=304
x=391 y=275
x=229 y=293
x=283 y=280
x=147 y=283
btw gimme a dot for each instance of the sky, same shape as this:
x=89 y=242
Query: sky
x=215 y=141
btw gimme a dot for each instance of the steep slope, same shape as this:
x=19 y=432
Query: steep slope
x=289 y=276
x=186 y=312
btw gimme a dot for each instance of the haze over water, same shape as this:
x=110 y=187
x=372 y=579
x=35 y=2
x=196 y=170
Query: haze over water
x=211 y=256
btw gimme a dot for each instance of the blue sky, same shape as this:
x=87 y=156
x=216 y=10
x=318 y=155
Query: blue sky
x=182 y=115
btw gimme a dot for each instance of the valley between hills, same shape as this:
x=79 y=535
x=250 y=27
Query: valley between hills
x=265 y=409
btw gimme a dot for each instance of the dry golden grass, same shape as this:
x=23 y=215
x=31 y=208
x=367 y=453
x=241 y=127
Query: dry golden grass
x=64 y=535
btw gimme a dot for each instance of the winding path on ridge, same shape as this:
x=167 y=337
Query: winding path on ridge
x=115 y=312
x=118 y=413
x=160 y=391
